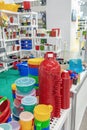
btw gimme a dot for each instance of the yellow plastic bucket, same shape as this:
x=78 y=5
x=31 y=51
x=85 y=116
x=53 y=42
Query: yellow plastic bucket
x=42 y=112
x=35 y=61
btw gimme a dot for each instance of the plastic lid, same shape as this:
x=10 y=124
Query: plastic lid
x=6 y=126
x=29 y=100
x=1 y=128
x=26 y=116
x=35 y=61
x=25 y=81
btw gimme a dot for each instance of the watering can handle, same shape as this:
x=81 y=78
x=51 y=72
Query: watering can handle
x=50 y=55
x=2 y=100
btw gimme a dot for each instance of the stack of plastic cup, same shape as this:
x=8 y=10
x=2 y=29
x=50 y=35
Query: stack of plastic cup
x=65 y=90
x=14 y=91
x=25 y=87
x=42 y=114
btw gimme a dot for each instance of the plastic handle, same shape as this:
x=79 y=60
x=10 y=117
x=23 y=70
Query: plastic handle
x=50 y=55
x=50 y=108
x=38 y=126
x=2 y=100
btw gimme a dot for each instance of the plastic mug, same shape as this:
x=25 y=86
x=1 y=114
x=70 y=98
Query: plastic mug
x=42 y=112
x=26 y=120
x=41 y=125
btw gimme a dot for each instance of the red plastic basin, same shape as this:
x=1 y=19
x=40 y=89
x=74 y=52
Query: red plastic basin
x=4 y=110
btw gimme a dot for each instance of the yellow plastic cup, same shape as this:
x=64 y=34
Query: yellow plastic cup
x=26 y=120
x=35 y=61
x=42 y=112
x=13 y=86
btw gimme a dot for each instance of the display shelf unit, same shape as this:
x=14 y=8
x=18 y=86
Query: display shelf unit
x=62 y=123
x=48 y=43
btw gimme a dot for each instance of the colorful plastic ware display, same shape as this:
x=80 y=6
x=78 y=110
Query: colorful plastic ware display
x=25 y=84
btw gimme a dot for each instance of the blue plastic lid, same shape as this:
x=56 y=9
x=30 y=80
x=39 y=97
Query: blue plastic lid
x=29 y=100
x=25 y=81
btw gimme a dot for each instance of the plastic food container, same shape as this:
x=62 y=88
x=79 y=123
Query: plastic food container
x=28 y=103
x=25 y=84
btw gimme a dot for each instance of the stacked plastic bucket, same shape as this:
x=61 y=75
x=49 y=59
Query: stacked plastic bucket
x=5 y=112
x=25 y=96
x=23 y=68
x=34 y=64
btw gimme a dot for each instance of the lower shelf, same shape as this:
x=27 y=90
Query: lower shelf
x=57 y=123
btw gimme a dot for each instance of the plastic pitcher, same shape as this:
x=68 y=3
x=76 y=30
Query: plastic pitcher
x=42 y=112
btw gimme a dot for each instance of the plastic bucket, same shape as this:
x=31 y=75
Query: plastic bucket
x=4 y=111
x=25 y=84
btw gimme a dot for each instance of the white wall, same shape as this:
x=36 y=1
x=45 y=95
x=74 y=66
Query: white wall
x=59 y=15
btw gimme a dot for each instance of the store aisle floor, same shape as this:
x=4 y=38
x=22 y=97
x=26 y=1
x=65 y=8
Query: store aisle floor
x=7 y=78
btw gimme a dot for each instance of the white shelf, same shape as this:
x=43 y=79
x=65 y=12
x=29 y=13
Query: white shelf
x=25 y=37
x=27 y=50
x=2 y=69
x=9 y=12
x=13 y=24
x=27 y=13
x=8 y=40
x=13 y=52
x=28 y=26
x=48 y=51
x=46 y=37
x=57 y=123
x=2 y=54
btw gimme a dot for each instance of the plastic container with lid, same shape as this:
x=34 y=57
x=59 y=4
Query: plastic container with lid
x=28 y=103
x=26 y=120
x=25 y=84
